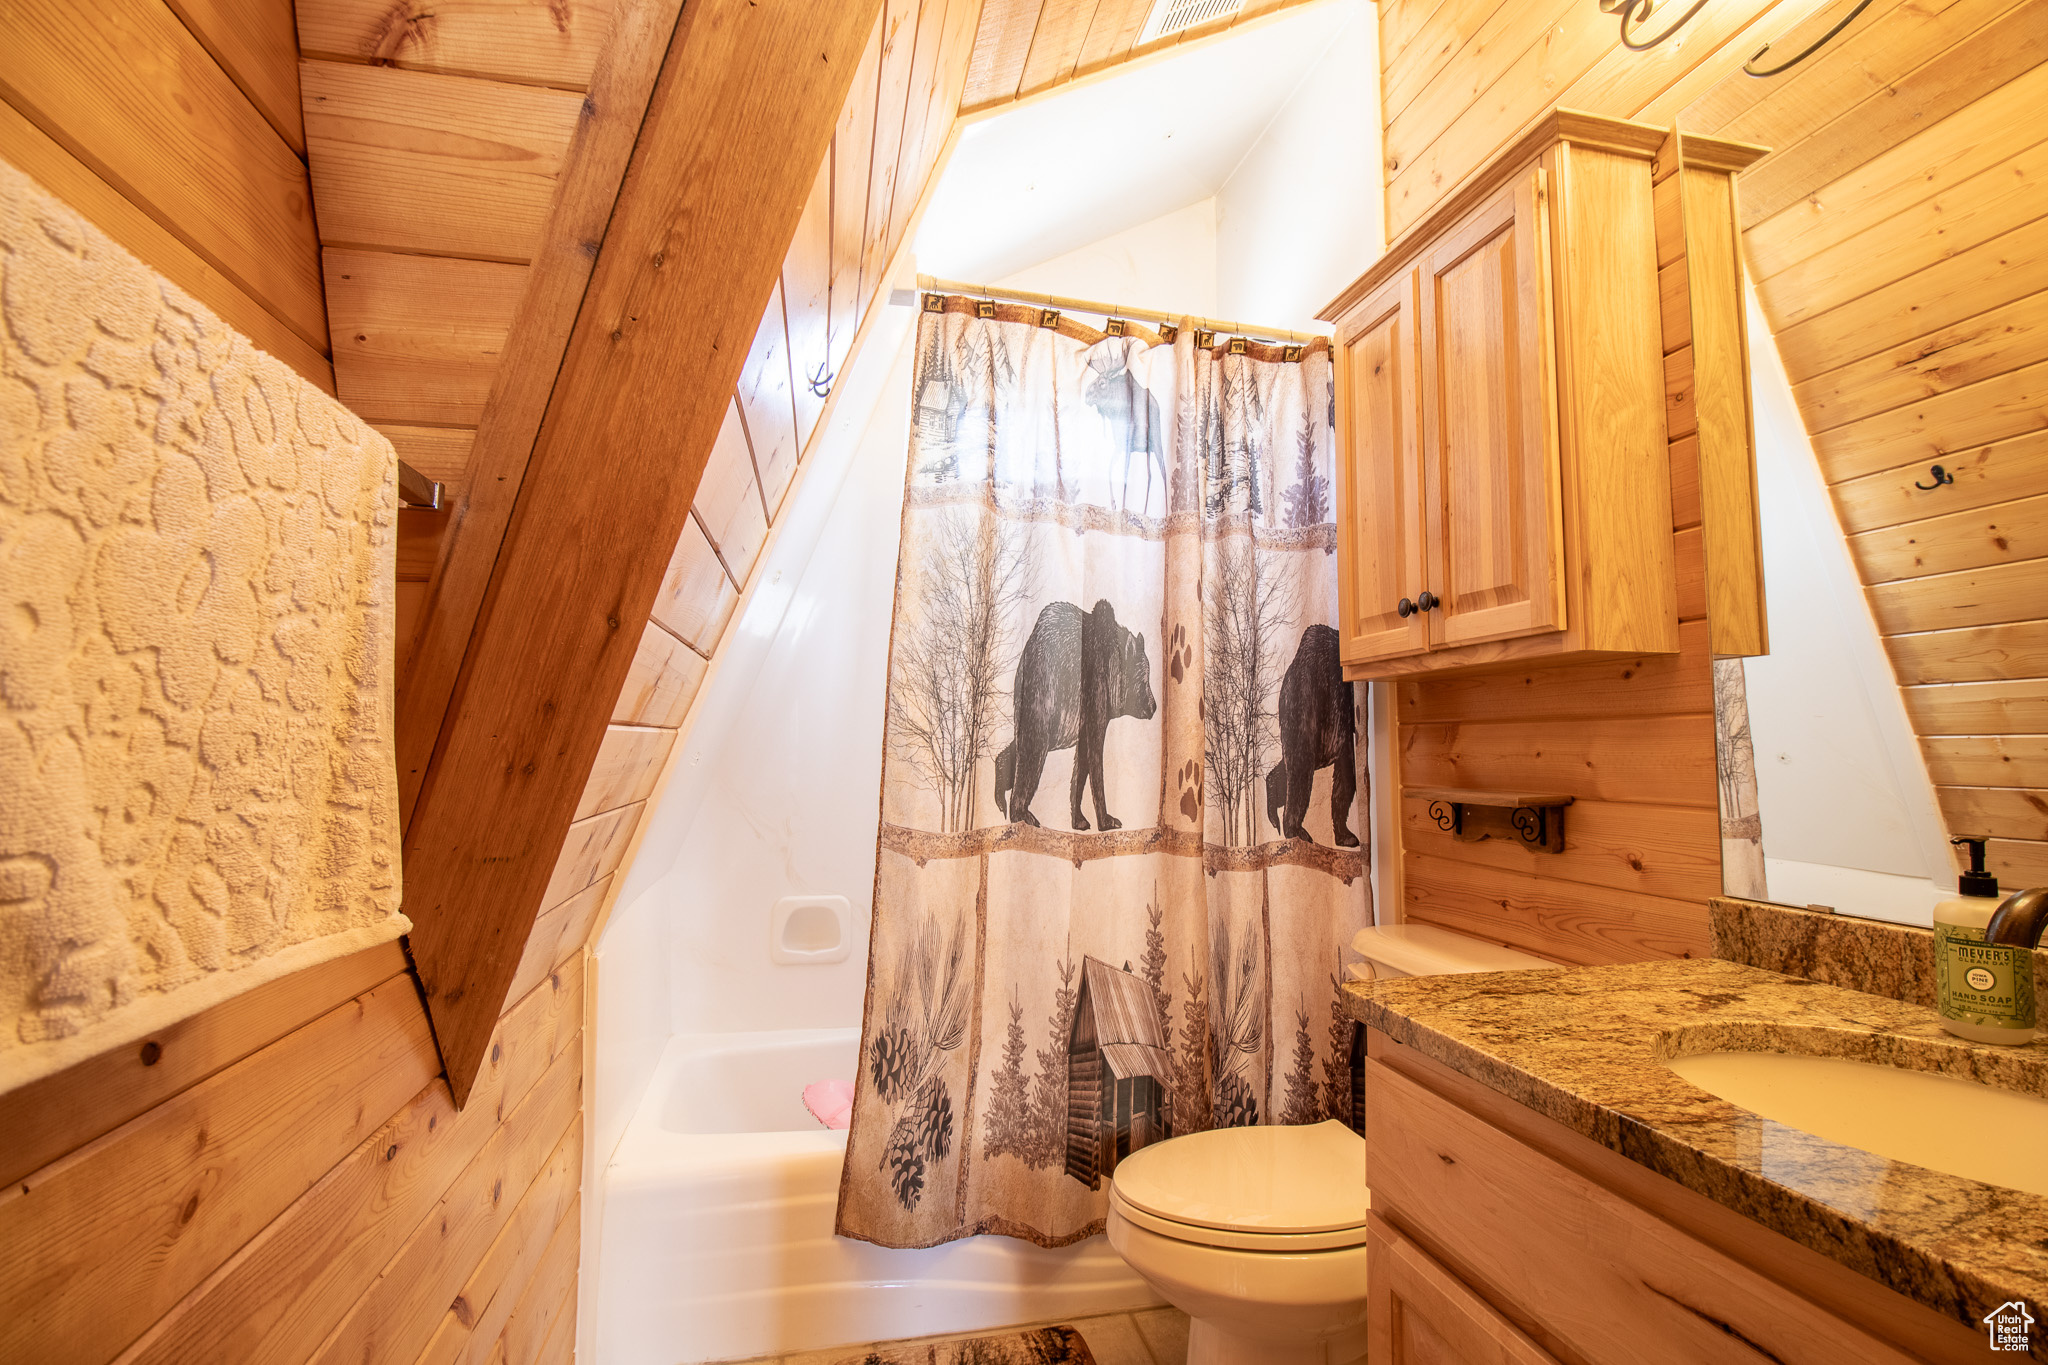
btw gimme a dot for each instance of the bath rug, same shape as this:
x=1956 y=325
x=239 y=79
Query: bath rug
x=830 y=1102
x=198 y=787
x=1039 y=1346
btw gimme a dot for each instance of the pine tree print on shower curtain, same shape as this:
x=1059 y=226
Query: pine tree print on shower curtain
x=1121 y=796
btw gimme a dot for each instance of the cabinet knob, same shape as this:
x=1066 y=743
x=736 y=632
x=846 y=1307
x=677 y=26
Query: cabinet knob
x=1405 y=609
x=1428 y=601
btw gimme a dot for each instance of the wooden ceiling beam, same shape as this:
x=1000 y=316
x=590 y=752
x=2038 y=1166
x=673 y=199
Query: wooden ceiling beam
x=741 y=113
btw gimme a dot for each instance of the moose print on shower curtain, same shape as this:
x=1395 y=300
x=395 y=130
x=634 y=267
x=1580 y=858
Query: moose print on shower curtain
x=1120 y=833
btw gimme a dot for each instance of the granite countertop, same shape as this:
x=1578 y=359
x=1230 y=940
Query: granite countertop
x=1586 y=1046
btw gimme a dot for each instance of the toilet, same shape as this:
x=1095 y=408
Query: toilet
x=1258 y=1234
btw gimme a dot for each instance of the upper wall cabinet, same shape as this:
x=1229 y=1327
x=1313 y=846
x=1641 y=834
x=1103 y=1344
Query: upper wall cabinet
x=1504 y=484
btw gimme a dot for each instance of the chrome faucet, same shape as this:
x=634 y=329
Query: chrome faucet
x=2019 y=922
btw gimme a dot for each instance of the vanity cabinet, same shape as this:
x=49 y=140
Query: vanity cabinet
x=1499 y=1235
x=1504 y=472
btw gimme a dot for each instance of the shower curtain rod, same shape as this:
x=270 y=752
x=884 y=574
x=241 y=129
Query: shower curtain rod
x=933 y=285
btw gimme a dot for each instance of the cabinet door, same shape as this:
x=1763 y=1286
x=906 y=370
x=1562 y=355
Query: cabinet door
x=1495 y=518
x=1379 y=476
x=1421 y=1314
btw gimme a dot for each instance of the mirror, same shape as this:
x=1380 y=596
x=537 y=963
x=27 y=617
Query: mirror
x=1829 y=747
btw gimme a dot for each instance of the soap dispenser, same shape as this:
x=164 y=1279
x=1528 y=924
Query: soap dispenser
x=1984 y=991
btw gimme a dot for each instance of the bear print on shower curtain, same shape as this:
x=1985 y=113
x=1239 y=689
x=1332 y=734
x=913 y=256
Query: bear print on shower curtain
x=1120 y=846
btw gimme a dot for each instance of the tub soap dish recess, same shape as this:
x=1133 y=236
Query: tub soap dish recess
x=809 y=930
x=1532 y=819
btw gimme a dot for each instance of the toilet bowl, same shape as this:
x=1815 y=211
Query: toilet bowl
x=1257 y=1234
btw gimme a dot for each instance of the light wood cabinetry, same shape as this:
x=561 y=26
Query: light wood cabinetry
x=1504 y=484
x=1499 y=1235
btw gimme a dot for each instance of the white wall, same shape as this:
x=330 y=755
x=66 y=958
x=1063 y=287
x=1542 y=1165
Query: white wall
x=1300 y=217
x=1849 y=818
x=1167 y=265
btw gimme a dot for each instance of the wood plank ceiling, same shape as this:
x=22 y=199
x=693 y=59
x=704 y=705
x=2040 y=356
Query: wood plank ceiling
x=1898 y=236
x=1024 y=48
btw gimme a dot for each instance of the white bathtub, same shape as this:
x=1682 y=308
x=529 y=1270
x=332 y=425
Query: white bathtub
x=717 y=1231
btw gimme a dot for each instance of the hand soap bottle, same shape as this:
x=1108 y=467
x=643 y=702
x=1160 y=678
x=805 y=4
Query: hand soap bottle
x=1984 y=991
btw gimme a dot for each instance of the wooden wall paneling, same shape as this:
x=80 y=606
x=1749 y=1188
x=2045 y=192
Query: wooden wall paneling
x=440 y=453
x=1056 y=43
x=473 y=1325
x=1650 y=685
x=1990 y=410
x=57 y=170
x=536 y=42
x=549 y=1296
x=419 y=543
x=1992 y=343
x=807 y=304
x=2018 y=862
x=100 y=1244
x=418 y=339
x=614 y=110
x=1994 y=54
x=1685 y=483
x=1857 y=60
x=1960 y=540
x=769 y=410
x=627 y=763
x=1947 y=292
x=284 y=1292
x=1972 y=597
x=397 y=1314
x=2012 y=649
x=729 y=507
x=558 y=933
x=1112 y=31
x=1668 y=851
x=892 y=100
x=2001 y=812
x=853 y=144
x=696 y=597
x=1566 y=921
x=1926 y=232
x=255 y=44
x=663 y=681
x=1002 y=43
x=423 y=162
x=186 y=146
x=1929 y=165
x=1986 y=760
x=1665 y=760
x=1419 y=40
x=1984 y=477
x=743 y=111
x=57 y=1114
x=594 y=847
x=1995 y=712
x=923 y=91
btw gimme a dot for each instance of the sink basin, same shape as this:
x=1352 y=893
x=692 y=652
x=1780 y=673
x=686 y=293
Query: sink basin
x=1939 y=1122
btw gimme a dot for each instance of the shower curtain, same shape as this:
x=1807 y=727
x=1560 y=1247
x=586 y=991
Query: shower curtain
x=1122 y=815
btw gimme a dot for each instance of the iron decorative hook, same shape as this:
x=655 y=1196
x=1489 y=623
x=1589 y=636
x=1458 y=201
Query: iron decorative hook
x=1941 y=476
x=821 y=382
x=1636 y=12
x=1749 y=67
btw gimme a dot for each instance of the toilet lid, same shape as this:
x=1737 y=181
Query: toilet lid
x=1266 y=1180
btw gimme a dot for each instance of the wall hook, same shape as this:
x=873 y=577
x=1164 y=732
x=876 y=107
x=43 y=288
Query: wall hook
x=821 y=382
x=1749 y=67
x=1941 y=476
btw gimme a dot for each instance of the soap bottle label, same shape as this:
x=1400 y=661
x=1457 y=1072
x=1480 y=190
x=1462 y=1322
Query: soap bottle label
x=1986 y=984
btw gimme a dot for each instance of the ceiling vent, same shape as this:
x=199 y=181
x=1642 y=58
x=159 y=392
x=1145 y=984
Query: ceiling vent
x=1169 y=17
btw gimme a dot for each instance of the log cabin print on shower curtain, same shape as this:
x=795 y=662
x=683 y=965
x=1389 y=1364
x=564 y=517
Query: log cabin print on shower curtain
x=1120 y=845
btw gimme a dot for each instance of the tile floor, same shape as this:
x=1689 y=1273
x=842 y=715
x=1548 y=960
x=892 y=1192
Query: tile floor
x=1152 y=1336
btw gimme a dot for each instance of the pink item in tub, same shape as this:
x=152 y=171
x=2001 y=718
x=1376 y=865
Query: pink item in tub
x=830 y=1102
